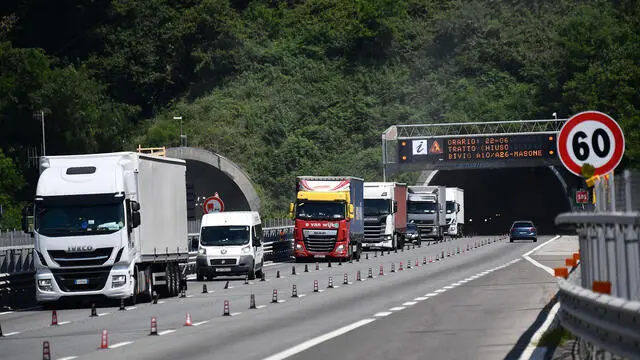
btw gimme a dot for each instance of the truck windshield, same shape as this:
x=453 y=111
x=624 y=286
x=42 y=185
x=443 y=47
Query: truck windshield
x=320 y=210
x=73 y=220
x=451 y=207
x=421 y=207
x=224 y=235
x=373 y=207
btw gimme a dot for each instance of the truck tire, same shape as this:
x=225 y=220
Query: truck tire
x=252 y=272
x=259 y=272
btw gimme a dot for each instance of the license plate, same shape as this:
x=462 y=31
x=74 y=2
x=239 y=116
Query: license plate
x=320 y=256
x=81 y=281
x=223 y=269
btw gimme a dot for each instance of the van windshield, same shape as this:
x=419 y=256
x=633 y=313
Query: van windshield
x=224 y=235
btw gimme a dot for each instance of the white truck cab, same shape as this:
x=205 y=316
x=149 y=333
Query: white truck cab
x=230 y=244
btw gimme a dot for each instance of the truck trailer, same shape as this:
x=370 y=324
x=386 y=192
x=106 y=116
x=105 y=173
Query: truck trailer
x=455 y=211
x=328 y=215
x=385 y=215
x=426 y=208
x=110 y=225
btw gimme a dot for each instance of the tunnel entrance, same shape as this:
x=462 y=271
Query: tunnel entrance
x=209 y=173
x=494 y=198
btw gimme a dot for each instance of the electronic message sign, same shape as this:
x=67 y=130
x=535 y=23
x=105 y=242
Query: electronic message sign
x=483 y=151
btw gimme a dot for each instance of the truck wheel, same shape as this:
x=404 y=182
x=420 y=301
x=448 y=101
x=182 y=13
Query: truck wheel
x=252 y=272
x=259 y=272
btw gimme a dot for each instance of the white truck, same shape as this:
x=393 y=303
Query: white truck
x=455 y=211
x=426 y=208
x=109 y=225
x=385 y=215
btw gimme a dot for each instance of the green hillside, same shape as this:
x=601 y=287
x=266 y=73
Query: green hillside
x=300 y=87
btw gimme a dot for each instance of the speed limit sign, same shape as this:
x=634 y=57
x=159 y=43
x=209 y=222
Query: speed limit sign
x=591 y=137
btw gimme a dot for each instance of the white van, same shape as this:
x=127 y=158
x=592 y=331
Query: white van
x=230 y=244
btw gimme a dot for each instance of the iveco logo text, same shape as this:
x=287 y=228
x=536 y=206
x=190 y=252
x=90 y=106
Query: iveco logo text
x=80 y=248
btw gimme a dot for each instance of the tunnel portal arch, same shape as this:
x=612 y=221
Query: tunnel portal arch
x=209 y=173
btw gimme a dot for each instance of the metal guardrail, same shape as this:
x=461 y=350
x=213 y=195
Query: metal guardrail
x=602 y=306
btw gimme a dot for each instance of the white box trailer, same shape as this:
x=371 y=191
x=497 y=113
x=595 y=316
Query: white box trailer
x=455 y=211
x=111 y=225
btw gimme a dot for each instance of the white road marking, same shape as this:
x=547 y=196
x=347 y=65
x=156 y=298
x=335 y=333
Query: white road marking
x=115 y=346
x=160 y=302
x=448 y=287
x=67 y=358
x=318 y=340
x=439 y=291
x=189 y=296
x=528 y=351
x=431 y=294
x=421 y=298
x=165 y=332
x=12 y=333
x=261 y=306
x=131 y=308
x=384 y=313
x=103 y=314
x=6 y=313
x=236 y=313
x=409 y=303
x=529 y=259
x=397 y=308
x=302 y=295
x=64 y=322
x=281 y=301
x=201 y=322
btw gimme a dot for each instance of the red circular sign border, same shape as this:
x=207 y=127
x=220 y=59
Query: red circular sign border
x=212 y=198
x=607 y=121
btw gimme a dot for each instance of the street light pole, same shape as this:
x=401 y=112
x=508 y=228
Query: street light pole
x=40 y=116
x=183 y=138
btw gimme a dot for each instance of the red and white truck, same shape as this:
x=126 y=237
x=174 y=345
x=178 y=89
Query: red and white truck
x=328 y=215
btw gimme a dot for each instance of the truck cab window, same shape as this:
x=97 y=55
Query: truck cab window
x=318 y=210
x=224 y=235
x=69 y=220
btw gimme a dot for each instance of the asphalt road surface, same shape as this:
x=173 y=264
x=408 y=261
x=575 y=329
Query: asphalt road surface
x=474 y=304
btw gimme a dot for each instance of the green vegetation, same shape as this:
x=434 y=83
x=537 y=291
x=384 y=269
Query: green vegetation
x=555 y=337
x=302 y=87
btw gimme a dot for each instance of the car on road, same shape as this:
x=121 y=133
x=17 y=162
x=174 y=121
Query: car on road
x=412 y=234
x=523 y=230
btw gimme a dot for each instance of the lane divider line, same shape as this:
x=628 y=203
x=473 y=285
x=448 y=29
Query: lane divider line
x=318 y=340
x=409 y=303
x=382 y=314
x=201 y=323
x=120 y=344
x=12 y=333
x=67 y=358
x=535 y=263
x=397 y=308
x=165 y=332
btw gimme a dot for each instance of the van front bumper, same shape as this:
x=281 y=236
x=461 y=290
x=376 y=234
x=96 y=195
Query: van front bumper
x=223 y=266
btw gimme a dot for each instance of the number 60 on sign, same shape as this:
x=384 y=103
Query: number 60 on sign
x=593 y=138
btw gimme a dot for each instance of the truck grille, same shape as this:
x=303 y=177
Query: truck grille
x=320 y=243
x=95 y=278
x=374 y=231
x=93 y=258
x=224 y=262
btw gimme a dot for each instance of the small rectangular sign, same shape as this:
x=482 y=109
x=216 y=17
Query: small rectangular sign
x=582 y=196
x=81 y=281
x=223 y=269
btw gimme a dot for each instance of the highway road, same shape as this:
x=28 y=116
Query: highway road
x=470 y=305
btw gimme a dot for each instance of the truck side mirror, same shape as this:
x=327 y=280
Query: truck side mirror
x=135 y=219
x=292 y=216
x=395 y=207
x=135 y=206
x=457 y=207
x=351 y=212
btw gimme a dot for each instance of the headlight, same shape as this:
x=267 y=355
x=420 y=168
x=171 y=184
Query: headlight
x=118 y=280
x=340 y=248
x=45 y=284
x=388 y=237
x=202 y=251
x=414 y=236
x=299 y=247
x=246 y=250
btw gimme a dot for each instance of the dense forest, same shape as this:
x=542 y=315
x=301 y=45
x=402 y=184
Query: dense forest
x=298 y=87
